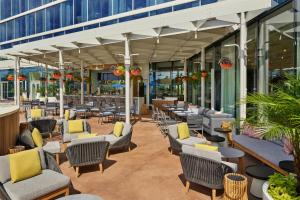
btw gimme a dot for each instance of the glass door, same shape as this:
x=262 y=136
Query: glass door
x=3 y=90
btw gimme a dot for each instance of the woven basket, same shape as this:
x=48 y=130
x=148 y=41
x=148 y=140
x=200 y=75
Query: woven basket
x=235 y=187
x=16 y=149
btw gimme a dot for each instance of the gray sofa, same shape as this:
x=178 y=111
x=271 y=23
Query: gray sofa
x=176 y=143
x=67 y=137
x=50 y=181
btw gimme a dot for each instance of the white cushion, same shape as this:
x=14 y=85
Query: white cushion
x=111 y=138
x=191 y=141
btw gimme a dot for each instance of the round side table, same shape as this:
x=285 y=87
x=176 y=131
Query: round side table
x=287 y=165
x=226 y=131
x=228 y=152
x=215 y=139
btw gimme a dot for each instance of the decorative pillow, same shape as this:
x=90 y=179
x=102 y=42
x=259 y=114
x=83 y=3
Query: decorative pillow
x=67 y=115
x=37 y=137
x=206 y=147
x=254 y=132
x=83 y=136
x=24 y=165
x=26 y=138
x=75 y=126
x=36 y=113
x=226 y=125
x=287 y=146
x=118 y=128
x=183 y=131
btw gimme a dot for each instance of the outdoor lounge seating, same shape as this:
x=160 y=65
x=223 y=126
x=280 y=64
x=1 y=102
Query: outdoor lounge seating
x=268 y=152
x=50 y=183
x=123 y=141
x=34 y=114
x=204 y=167
x=176 y=143
x=87 y=151
x=67 y=136
x=45 y=126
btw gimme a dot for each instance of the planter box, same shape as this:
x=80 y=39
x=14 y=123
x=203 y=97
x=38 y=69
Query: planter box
x=266 y=195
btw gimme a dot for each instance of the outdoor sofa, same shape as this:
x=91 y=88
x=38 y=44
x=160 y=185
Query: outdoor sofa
x=50 y=183
x=67 y=136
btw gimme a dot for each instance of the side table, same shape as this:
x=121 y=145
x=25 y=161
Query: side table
x=228 y=152
x=228 y=133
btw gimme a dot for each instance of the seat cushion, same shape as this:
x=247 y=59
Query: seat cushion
x=75 y=126
x=37 y=186
x=52 y=147
x=26 y=138
x=183 y=131
x=112 y=139
x=269 y=150
x=118 y=128
x=4 y=169
x=67 y=114
x=36 y=113
x=68 y=137
x=191 y=141
x=206 y=147
x=173 y=131
x=212 y=155
x=37 y=137
x=126 y=129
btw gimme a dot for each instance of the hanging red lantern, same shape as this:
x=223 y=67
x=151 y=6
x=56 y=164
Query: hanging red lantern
x=69 y=76
x=56 y=74
x=204 y=73
x=135 y=71
x=119 y=71
x=10 y=77
x=22 y=77
x=225 y=63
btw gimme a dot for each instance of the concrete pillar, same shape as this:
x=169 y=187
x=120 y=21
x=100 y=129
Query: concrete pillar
x=46 y=83
x=202 y=78
x=82 y=83
x=61 y=84
x=212 y=89
x=17 y=81
x=185 y=82
x=243 y=65
x=127 y=79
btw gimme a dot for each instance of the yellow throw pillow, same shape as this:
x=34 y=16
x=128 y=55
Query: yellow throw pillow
x=83 y=136
x=67 y=115
x=183 y=131
x=36 y=113
x=37 y=137
x=75 y=126
x=24 y=165
x=118 y=128
x=206 y=147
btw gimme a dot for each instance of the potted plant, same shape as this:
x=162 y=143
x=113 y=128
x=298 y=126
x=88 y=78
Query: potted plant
x=69 y=76
x=118 y=71
x=225 y=63
x=10 y=77
x=280 y=112
x=135 y=71
x=22 y=77
x=56 y=74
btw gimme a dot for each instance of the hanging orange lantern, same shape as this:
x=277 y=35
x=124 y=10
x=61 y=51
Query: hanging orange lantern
x=56 y=74
x=204 y=73
x=22 y=77
x=225 y=63
x=135 y=71
x=10 y=77
x=69 y=76
x=119 y=71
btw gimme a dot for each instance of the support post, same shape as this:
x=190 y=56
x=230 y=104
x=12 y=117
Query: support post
x=82 y=83
x=46 y=83
x=127 y=80
x=243 y=66
x=61 y=85
x=185 y=82
x=202 y=78
x=17 y=81
x=212 y=89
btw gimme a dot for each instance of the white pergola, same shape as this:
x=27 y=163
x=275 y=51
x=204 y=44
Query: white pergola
x=167 y=37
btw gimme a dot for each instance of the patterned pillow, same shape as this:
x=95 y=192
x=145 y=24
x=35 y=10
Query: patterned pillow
x=287 y=146
x=254 y=132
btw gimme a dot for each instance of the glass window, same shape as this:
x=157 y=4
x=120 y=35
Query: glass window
x=67 y=10
x=106 y=8
x=217 y=77
x=80 y=11
x=5 y=8
x=122 y=6
x=52 y=18
x=2 y=32
x=209 y=63
x=20 y=28
x=34 y=3
x=23 y=5
x=10 y=30
x=40 y=21
x=15 y=8
x=30 y=24
x=94 y=9
x=140 y=4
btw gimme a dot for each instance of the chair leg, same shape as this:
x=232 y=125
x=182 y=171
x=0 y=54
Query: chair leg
x=129 y=148
x=77 y=171
x=107 y=154
x=67 y=192
x=187 y=186
x=57 y=158
x=171 y=151
x=101 y=168
x=213 y=195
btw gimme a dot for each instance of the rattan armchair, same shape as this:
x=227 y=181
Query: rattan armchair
x=45 y=126
x=84 y=152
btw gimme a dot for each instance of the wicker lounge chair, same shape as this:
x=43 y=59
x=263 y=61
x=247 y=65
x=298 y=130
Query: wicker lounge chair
x=67 y=137
x=45 y=126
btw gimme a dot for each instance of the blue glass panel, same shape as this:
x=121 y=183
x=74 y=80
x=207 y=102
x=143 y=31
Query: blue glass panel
x=94 y=9
x=15 y=7
x=20 y=28
x=74 y=30
x=80 y=11
x=67 y=10
x=162 y=1
x=143 y=3
x=30 y=23
x=5 y=8
x=58 y=33
x=40 y=21
x=23 y=5
x=6 y=46
x=186 y=5
x=47 y=36
x=161 y=11
x=121 y=6
x=110 y=22
x=47 y=1
x=23 y=41
x=91 y=26
x=2 y=32
x=52 y=18
x=34 y=3
x=35 y=39
x=204 y=2
x=106 y=8
x=10 y=30
x=133 y=17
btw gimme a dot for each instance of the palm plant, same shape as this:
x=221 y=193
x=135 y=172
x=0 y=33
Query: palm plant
x=280 y=112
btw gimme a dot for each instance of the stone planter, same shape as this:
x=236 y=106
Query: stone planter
x=266 y=195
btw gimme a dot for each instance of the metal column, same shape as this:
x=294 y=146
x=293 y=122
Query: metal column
x=202 y=78
x=127 y=79
x=17 y=81
x=46 y=83
x=61 y=84
x=185 y=82
x=243 y=65
x=82 y=83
